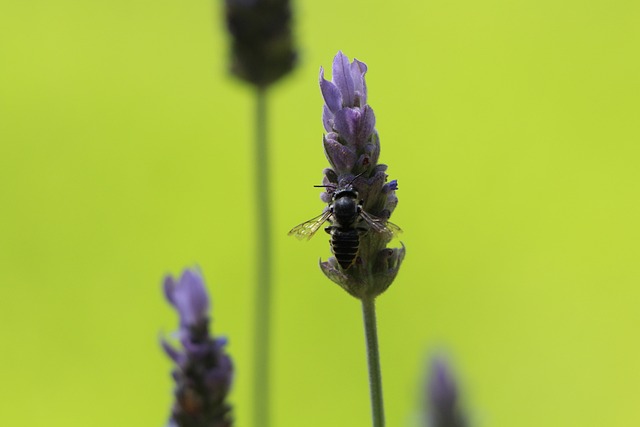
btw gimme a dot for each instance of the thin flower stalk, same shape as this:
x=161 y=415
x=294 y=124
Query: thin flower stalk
x=263 y=254
x=262 y=52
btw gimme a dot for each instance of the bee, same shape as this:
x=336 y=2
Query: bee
x=348 y=221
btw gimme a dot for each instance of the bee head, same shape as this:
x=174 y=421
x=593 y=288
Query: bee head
x=347 y=191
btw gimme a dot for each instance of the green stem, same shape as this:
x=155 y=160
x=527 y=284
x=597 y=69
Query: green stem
x=262 y=329
x=373 y=359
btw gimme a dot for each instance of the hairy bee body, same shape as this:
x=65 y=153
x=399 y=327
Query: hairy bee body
x=348 y=222
x=345 y=235
x=344 y=244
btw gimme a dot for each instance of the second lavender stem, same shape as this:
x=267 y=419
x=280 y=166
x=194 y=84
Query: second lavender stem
x=262 y=325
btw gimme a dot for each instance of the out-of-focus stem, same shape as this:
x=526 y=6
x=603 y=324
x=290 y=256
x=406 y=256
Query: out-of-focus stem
x=262 y=328
x=373 y=359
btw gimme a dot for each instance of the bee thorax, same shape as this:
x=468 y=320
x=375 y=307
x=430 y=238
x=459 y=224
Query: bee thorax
x=345 y=211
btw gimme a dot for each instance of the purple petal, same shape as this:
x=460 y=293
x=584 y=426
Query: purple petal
x=220 y=377
x=358 y=70
x=330 y=93
x=174 y=354
x=391 y=203
x=196 y=349
x=359 y=67
x=190 y=298
x=377 y=181
x=327 y=118
x=330 y=178
x=366 y=125
x=169 y=286
x=326 y=197
x=390 y=186
x=373 y=149
x=369 y=188
x=343 y=79
x=380 y=168
x=364 y=162
x=355 y=126
x=347 y=123
x=330 y=175
x=341 y=157
x=442 y=388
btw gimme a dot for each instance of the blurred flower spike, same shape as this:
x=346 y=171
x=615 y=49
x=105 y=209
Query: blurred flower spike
x=443 y=407
x=352 y=146
x=203 y=371
x=262 y=47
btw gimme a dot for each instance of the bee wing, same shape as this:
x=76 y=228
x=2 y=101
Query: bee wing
x=379 y=225
x=307 y=229
x=395 y=230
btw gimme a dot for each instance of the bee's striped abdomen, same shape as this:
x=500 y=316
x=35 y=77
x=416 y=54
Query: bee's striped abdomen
x=344 y=245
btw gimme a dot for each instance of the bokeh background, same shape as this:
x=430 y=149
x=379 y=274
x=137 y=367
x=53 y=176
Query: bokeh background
x=511 y=126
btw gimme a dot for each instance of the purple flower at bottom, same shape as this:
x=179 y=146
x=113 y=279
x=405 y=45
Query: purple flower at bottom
x=442 y=397
x=203 y=372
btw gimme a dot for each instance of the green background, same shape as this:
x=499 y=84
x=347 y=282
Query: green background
x=511 y=126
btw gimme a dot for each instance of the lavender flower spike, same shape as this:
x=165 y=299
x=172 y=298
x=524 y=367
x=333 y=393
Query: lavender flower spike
x=443 y=401
x=203 y=371
x=352 y=147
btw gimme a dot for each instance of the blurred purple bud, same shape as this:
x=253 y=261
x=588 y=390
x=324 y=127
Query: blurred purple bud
x=188 y=296
x=443 y=400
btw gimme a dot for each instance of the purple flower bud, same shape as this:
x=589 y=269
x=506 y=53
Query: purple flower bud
x=352 y=147
x=391 y=186
x=203 y=372
x=343 y=78
x=443 y=401
x=188 y=296
x=358 y=70
x=341 y=157
x=331 y=94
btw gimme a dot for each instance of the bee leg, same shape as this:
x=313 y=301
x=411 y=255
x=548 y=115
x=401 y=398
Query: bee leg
x=328 y=229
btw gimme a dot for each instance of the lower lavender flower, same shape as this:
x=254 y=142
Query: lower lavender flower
x=443 y=398
x=203 y=372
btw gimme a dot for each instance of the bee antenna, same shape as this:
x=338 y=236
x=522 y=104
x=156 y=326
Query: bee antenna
x=356 y=177
x=326 y=186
